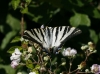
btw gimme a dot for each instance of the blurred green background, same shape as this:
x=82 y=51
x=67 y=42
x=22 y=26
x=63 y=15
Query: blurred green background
x=84 y=14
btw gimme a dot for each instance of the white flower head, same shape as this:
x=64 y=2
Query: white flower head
x=95 y=68
x=16 y=55
x=17 y=51
x=69 y=52
x=66 y=52
x=14 y=64
x=73 y=52
x=32 y=73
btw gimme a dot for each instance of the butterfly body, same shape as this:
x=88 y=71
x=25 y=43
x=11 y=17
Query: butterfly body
x=51 y=38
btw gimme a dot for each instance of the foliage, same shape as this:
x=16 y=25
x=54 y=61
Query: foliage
x=84 y=14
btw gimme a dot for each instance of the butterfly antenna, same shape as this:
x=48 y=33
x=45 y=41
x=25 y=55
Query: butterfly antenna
x=49 y=21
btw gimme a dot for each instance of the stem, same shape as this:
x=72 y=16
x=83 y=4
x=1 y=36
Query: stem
x=33 y=59
x=22 y=25
x=74 y=71
x=70 y=64
x=85 y=73
x=50 y=64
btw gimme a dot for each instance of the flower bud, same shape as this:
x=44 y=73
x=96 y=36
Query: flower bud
x=82 y=65
x=42 y=69
x=63 y=63
x=46 y=58
x=84 y=47
x=30 y=49
x=90 y=43
x=86 y=70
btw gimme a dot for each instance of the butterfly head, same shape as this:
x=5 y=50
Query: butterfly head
x=54 y=50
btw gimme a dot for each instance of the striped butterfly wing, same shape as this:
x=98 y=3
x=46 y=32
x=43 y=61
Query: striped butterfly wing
x=62 y=34
x=42 y=36
x=51 y=37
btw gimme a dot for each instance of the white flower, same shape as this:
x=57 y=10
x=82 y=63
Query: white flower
x=32 y=73
x=73 y=52
x=14 y=64
x=17 y=51
x=69 y=52
x=16 y=55
x=95 y=68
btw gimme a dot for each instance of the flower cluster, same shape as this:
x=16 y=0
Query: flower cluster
x=15 y=58
x=90 y=47
x=69 y=52
x=38 y=61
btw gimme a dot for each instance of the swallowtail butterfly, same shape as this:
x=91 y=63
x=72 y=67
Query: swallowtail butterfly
x=51 y=38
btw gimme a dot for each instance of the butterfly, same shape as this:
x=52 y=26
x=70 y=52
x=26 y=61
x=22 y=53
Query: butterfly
x=51 y=38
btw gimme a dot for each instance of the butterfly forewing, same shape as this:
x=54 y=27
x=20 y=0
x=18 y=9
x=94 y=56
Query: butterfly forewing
x=51 y=37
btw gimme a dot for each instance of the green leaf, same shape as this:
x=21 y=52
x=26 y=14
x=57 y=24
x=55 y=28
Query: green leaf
x=7 y=39
x=16 y=39
x=54 y=61
x=28 y=1
x=1 y=28
x=96 y=13
x=13 y=22
x=77 y=2
x=89 y=0
x=79 y=19
x=29 y=64
x=37 y=67
x=15 y=4
x=24 y=10
x=93 y=36
x=34 y=50
x=12 y=49
x=7 y=69
x=80 y=3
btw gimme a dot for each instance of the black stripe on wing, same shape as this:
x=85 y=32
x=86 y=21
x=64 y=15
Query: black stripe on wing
x=72 y=31
x=62 y=34
x=35 y=35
